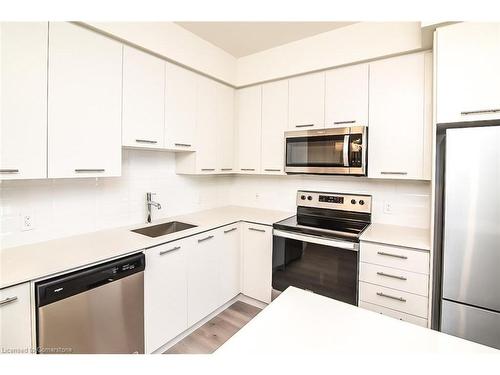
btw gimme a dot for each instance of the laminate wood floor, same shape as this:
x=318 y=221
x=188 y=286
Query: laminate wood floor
x=217 y=331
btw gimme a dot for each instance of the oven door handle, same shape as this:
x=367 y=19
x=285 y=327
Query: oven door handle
x=346 y=151
x=317 y=240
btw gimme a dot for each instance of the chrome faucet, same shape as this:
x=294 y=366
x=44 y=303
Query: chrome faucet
x=150 y=203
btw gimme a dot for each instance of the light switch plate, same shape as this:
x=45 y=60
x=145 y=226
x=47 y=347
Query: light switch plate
x=387 y=207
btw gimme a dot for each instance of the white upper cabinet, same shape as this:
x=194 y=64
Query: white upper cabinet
x=346 y=96
x=468 y=77
x=84 y=109
x=274 y=124
x=399 y=125
x=23 y=100
x=180 y=108
x=143 y=99
x=248 y=129
x=307 y=102
x=225 y=126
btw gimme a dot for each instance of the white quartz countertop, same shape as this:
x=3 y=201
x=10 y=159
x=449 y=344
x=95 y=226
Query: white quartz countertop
x=38 y=260
x=398 y=235
x=300 y=322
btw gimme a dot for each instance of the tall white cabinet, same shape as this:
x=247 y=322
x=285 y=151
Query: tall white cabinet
x=143 y=99
x=274 y=125
x=467 y=61
x=249 y=129
x=224 y=114
x=84 y=109
x=400 y=121
x=23 y=100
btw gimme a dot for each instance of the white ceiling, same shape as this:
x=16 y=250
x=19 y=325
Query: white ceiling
x=244 y=38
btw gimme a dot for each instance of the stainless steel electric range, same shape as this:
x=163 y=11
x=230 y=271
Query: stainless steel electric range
x=317 y=249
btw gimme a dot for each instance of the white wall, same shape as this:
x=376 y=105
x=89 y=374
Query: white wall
x=64 y=207
x=176 y=43
x=410 y=200
x=357 y=42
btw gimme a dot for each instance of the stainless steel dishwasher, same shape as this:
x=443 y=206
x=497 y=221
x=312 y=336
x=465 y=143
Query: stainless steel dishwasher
x=95 y=310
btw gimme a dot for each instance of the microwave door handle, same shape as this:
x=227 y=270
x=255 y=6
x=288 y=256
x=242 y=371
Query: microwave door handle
x=346 y=150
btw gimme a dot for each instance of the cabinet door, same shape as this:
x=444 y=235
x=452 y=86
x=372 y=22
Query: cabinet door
x=143 y=99
x=248 y=120
x=23 y=100
x=307 y=102
x=84 y=109
x=203 y=276
x=229 y=262
x=15 y=318
x=225 y=124
x=165 y=292
x=257 y=261
x=180 y=108
x=274 y=124
x=396 y=133
x=468 y=81
x=206 y=126
x=346 y=96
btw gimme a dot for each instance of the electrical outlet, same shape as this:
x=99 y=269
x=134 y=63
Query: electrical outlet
x=27 y=222
x=387 y=207
x=257 y=196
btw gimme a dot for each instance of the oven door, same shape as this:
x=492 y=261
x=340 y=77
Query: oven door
x=329 y=151
x=323 y=266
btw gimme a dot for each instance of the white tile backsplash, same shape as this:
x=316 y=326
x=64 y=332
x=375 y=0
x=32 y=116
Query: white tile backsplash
x=63 y=207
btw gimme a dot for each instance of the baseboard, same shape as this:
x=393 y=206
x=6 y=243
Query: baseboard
x=239 y=297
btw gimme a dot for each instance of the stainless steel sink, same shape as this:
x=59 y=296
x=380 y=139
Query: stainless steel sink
x=162 y=229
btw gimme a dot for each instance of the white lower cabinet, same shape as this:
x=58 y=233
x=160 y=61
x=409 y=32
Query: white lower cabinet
x=15 y=319
x=203 y=276
x=165 y=292
x=394 y=281
x=394 y=314
x=229 y=254
x=257 y=261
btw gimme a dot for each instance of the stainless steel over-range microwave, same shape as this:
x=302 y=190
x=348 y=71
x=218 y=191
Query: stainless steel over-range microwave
x=327 y=151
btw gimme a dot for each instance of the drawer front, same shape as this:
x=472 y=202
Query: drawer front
x=395 y=257
x=406 y=281
x=393 y=299
x=15 y=319
x=394 y=314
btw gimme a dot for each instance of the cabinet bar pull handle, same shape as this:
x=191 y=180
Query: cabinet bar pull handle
x=304 y=125
x=256 y=229
x=226 y=169
x=479 y=112
x=89 y=170
x=230 y=230
x=182 y=145
x=344 y=122
x=8 y=300
x=247 y=169
x=272 y=170
x=392 y=255
x=145 y=141
x=401 y=299
x=205 y=239
x=9 y=170
x=207 y=169
x=168 y=251
x=393 y=276
x=398 y=173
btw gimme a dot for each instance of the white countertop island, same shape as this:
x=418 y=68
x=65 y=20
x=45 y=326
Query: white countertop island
x=300 y=322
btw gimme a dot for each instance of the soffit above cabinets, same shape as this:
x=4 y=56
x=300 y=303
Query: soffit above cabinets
x=245 y=38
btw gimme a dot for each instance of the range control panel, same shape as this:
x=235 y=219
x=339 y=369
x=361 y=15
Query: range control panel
x=335 y=201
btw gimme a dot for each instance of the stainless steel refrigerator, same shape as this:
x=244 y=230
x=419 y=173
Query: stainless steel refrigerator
x=470 y=258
